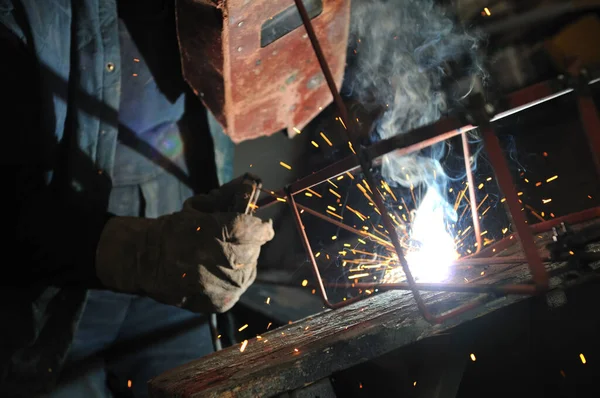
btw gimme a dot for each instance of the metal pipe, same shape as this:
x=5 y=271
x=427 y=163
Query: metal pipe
x=501 y=170
x=444 y=287
x=472 y=194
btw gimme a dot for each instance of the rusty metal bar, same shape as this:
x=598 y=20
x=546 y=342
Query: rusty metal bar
x=502 y=172
x=444 y=287
x=472 y=193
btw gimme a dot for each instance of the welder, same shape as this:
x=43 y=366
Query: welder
x=115 y=233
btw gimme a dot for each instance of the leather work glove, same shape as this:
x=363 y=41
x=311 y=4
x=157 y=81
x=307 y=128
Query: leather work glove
x=201 y=258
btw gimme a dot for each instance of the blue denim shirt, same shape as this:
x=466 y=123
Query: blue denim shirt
x=76 y=46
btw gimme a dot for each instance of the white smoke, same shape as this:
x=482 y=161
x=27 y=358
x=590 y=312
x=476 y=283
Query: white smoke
x=403 y=48
x=402 y=51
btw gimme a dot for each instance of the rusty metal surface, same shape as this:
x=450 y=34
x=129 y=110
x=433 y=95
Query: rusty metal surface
x=252 y=90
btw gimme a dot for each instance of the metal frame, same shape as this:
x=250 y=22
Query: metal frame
x=427 y=136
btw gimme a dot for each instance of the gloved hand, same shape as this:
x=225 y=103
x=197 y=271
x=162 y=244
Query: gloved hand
x=201 y=258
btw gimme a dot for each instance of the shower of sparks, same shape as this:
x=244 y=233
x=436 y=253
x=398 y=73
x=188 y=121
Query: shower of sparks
x=243 y=346
x=326 y=139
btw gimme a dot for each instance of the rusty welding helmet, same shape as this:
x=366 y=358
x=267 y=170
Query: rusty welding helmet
x=252 y=64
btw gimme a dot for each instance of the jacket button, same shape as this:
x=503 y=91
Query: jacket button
x=110 y=66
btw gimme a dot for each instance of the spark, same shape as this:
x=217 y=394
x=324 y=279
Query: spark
x=329 y=181
x=136 y=60
x=318 y=254
x=335 y=193
x=314 y=144
x=304 y=283
x=351 y=147
x=334 y=237
x=552 y=178
x=487 y=11
x=340 y=178
x=326 y=139
x=582 y=357
x=473 y=358
x=331 y=208
x=244 y=344
x=343 y=124
x=415 y=384
x=135 y=75
x=314 y=193
x=350 y=175
x=287 y=166
x=308 y=194
x=128 y=383
x=297 y=130
x=296 y=350
x=544 y=201
x=480 y=186
x=243 y=327
x=362 y=241
x=335 y=215
x=268 y=301
x=198 y=229
x=269 y=325
x=356 y=276
x=184 y=274
x=281 y=200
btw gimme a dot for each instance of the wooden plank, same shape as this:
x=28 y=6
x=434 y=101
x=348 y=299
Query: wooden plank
x=315 y=347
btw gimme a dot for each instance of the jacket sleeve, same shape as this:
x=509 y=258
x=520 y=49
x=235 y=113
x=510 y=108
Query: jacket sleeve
x=50 y=236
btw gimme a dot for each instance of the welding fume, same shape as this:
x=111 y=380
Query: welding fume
x=127 y=219
x=403 y=53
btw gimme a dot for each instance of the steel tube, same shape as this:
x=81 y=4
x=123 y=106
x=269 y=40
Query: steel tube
x=501 y=170
x=444 y=287
x=472 y=193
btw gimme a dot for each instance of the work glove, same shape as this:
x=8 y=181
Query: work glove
x=201 y=258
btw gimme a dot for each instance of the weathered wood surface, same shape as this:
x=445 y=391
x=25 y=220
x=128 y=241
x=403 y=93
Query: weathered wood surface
x=313 y=348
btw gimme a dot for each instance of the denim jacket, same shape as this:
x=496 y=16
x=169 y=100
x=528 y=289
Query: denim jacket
x=62 y=74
